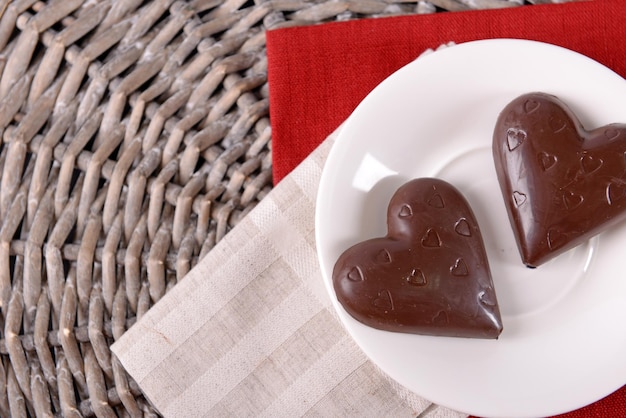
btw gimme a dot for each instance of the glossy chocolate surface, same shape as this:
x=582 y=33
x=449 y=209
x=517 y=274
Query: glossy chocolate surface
x=429 y=275
x=561 y=183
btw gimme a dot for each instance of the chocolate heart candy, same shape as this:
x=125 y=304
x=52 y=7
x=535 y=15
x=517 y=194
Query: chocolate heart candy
x=429 y=275
x=561 y=183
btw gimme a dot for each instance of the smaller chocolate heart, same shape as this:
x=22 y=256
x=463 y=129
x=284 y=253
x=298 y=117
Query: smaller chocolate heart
x=561 y=184
x=429 y=275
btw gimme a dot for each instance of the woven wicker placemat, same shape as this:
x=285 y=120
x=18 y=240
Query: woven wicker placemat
x=135 y=135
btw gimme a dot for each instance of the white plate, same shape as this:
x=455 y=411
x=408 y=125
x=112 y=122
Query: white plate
x=564 y=339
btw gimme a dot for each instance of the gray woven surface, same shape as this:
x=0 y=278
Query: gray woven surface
x=135 y=136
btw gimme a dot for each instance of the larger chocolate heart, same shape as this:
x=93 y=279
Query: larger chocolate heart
x=561 y=183
x=429 y=275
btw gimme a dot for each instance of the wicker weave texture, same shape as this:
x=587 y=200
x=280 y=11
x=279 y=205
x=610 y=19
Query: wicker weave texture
x=135 y=135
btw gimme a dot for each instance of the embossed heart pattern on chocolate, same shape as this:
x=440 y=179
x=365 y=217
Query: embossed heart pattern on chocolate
x=429 y=275
x=561 y=183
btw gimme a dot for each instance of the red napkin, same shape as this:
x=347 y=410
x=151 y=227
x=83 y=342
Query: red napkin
x=318 y=74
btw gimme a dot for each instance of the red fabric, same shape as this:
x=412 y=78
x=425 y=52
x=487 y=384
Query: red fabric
x=318 y=74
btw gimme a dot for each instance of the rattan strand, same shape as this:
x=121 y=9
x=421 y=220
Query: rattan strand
x=135 y=135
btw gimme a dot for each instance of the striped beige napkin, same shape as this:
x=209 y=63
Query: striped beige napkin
x=250 y=331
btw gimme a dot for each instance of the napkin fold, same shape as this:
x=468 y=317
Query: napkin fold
x=250 y=331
